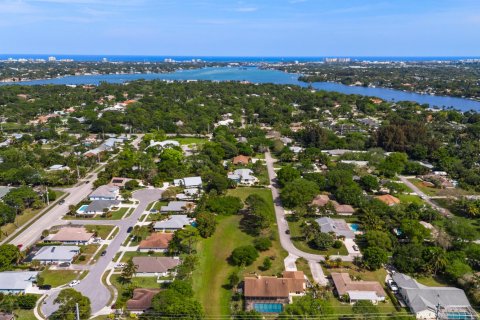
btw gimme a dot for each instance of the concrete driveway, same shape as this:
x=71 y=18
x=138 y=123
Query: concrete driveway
x=92 y=285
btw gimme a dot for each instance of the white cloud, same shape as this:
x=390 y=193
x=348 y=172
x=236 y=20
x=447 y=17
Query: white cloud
x=245 y=9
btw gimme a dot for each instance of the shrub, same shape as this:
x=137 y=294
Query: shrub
x=82 y=258
x=267 y=264
x=244 y=255
x=27 y=301
x=337 y=244
x=262 y=243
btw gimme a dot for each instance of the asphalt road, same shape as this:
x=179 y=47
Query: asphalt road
x=92 y=286
x=425 y=197
x=285 y=239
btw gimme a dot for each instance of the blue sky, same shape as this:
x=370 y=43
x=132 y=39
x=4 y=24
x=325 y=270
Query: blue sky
x=242 y=28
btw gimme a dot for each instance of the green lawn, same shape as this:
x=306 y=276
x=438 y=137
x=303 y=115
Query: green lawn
x=427 y=190
x=88 y=252
x=131 y=254
x=302 y=265
x=190 y=140
x=57 y=278
x=24 y=314
x=408 y=198
x=141 y=282
x=431 y=281
x=213 y=269
x=102 y=231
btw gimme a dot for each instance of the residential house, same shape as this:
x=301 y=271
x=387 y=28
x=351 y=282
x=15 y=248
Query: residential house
x=357 y=290
x=433 y=302
x=188 y=194
x=119 y=182
x=4 y=191
x=343 y=209
x=320 y=200
x=388 y=199
x=156 y=266
x=270 y=294
x=157 y=242
x=243 y=176
x=189 y=182
x=174 y=207
x=58 y=167
x=141 y=300
x=337 y=226
x=99 y=207
x=105 y=192
x=71 y=235
x=56 y=254
x=241 y=160
x=172 y=223
x=13 y=282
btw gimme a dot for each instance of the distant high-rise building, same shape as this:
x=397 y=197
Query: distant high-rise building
x=51 y=59
x=337 y=60
x=104 y=60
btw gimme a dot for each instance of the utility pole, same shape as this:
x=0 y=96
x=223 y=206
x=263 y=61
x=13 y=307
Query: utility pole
x=48 y=199
x=78 y=311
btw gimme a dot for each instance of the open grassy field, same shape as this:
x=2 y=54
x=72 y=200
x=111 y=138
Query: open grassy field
x=57 y=278
x=131 y=254
x=88 y=251
x=211 y=274
x=408 y=198
x=102 y=231
x=190 y=140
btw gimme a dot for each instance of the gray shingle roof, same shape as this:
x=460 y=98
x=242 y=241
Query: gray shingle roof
x=420 y=297
x=173 y=222
x=99 y=205
x=16 y=280
x=56 y=253
x=337 y=226
x=174 y=206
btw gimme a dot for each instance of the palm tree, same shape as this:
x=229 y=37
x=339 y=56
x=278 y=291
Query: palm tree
x=129 y=271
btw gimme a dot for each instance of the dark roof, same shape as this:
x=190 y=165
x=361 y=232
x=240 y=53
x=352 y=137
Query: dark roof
x=142 y=299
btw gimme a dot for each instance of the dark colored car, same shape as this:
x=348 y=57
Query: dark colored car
x=287 y=231
x=61 y=201
x=45 y=287
x=104 y=252
x=129 y=229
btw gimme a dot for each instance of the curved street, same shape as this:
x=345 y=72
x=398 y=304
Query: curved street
x=92 y=286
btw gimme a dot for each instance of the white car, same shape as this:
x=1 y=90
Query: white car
x=120 y=265
x=392 y=285
x=74 y=283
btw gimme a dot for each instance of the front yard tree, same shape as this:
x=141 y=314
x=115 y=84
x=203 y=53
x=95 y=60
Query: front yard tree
x=323 y=241
x=287 y=174
x=374 y=258
x=244 y=255
x=365 y=309
x=184 y=240
x=68 y=298
x=9 y=255
x=299 y=192
x=307 y=307
x=129 y=271
x=206 y=224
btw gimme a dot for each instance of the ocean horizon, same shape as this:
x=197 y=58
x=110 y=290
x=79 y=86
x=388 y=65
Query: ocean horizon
x=226 y=59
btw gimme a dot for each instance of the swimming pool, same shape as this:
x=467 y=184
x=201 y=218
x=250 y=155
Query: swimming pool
x=354 y=227
x=268 y=307
x=82 y=209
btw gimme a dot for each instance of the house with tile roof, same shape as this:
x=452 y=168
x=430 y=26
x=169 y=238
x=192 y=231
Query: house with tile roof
x=388 y=199
x=262 y=292
x=141 y=300
x=157 y=242
x=358 y=290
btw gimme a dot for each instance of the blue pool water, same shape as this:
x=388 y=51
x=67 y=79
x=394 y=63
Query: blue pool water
x=355 y=227
x=268 y=307
x=82 y=208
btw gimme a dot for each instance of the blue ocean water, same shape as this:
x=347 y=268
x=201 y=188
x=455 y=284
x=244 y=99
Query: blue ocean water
x=255 y=75
x=141 y=58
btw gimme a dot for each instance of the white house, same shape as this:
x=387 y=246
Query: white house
x=105 y=192
x=13 y=282
x=155 y=266
x=243 y=176
x=189 y=182
x=173 y=223
x=56 y=254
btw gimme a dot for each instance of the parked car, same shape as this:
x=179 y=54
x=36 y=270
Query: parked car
x=120 y=265
x=74 y=283
x=61 y=201
x=64 y=264
x=355 y=247
x=392 y=285
x=287 y=231
x=104 y=252
x=45 y=287
x=129 y=229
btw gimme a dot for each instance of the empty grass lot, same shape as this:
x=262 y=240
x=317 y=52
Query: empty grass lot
x=213 y=269
x=102 y=231
x=57 y=278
